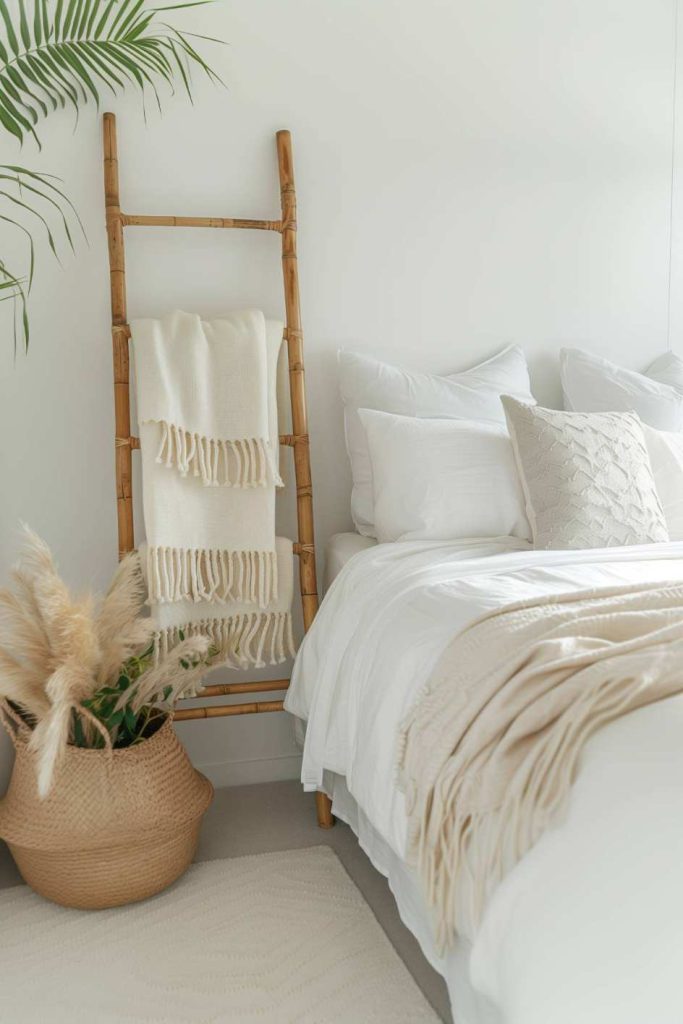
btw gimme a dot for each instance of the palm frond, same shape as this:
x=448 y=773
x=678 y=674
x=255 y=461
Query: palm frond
x=70 y=54
x=29 y=199
x=62 y=54
x=13 y=288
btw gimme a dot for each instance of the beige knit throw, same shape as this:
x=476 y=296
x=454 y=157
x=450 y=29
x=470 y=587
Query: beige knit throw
x=489 y=750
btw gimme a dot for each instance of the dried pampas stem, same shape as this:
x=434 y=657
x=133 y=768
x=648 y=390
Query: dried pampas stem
x=190 y=655
x=84 y=671
x=121 y=630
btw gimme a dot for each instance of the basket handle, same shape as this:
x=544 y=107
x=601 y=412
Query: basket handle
x=94 y=720
x=12 y=722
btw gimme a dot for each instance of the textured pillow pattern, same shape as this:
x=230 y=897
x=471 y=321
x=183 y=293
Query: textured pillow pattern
x=587 y=478
x=474 y=394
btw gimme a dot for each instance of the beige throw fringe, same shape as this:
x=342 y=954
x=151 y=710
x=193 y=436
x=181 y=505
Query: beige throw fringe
x=488 y=752
x=243 y=463
x=241 y=634
x=253 y=639
x=199 y=574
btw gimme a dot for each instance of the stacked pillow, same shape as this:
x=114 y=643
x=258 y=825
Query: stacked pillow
x=442 y=479
x=472 y=396
x=592 y=384
x=432 y=457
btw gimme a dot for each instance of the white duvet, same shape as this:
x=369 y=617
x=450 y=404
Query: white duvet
x=589 y=926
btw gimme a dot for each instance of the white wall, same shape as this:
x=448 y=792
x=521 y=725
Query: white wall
x=469 y=174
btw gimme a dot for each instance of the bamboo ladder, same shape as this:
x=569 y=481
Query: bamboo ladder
x=298 y=440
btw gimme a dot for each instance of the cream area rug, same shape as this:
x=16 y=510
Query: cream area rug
x=278 y=938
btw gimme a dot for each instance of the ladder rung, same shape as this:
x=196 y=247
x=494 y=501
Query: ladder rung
x=225 y=689
x=257 y=707
x=143 y=220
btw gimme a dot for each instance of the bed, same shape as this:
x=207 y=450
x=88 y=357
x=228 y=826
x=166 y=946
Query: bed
x=588 y=926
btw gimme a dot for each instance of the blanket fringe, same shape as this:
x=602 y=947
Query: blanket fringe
x=247 y=462
x=253 y=640
x=195 y=574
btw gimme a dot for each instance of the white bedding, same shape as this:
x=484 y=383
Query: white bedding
x=340 y=548
x=589 y=926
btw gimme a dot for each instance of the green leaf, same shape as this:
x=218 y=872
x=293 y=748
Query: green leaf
x=104 y=19
x=23 y=25
x=47 y=181
x=9 y=28
x=27 y=71
x=79 y=734
x=37 y=22
x=18 y=80
x=59 y=52
x=20 y=227
x=11 y=109
x=66 y=54
x=9 y=123
x=18 y=202
x=129 y=20
x=71 y=9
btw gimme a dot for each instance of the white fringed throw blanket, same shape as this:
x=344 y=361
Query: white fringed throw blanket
x=241 y=634
x=206 y=383
x=489 y=751
x=207 y=411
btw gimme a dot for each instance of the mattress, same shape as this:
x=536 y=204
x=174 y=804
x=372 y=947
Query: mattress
x=589 y=925
x=340 y=548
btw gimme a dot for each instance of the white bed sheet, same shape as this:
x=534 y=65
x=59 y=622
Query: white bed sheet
x=341 y=547
x=559 y=942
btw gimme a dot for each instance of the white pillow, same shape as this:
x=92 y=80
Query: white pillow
x=587 y=478
x=442 y=479
x=666 y=458
x=667 y=369
x=367 y=383
x=592 y=384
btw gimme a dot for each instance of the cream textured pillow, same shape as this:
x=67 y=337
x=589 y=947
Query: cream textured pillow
x=587 y=477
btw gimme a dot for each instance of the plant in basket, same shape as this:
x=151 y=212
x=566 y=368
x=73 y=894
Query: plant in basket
x=103 y=806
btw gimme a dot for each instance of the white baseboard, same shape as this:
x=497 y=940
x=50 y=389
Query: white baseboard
x=258 y=769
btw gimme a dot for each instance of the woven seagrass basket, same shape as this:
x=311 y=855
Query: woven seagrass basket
x=117 y=826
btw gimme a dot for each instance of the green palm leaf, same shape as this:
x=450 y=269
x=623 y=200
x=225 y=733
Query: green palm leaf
x=59 y=53
x=39 y=201
x=12 y=288
x=75 y=49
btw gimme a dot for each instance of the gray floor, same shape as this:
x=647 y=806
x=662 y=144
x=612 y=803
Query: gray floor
x=278 y=816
